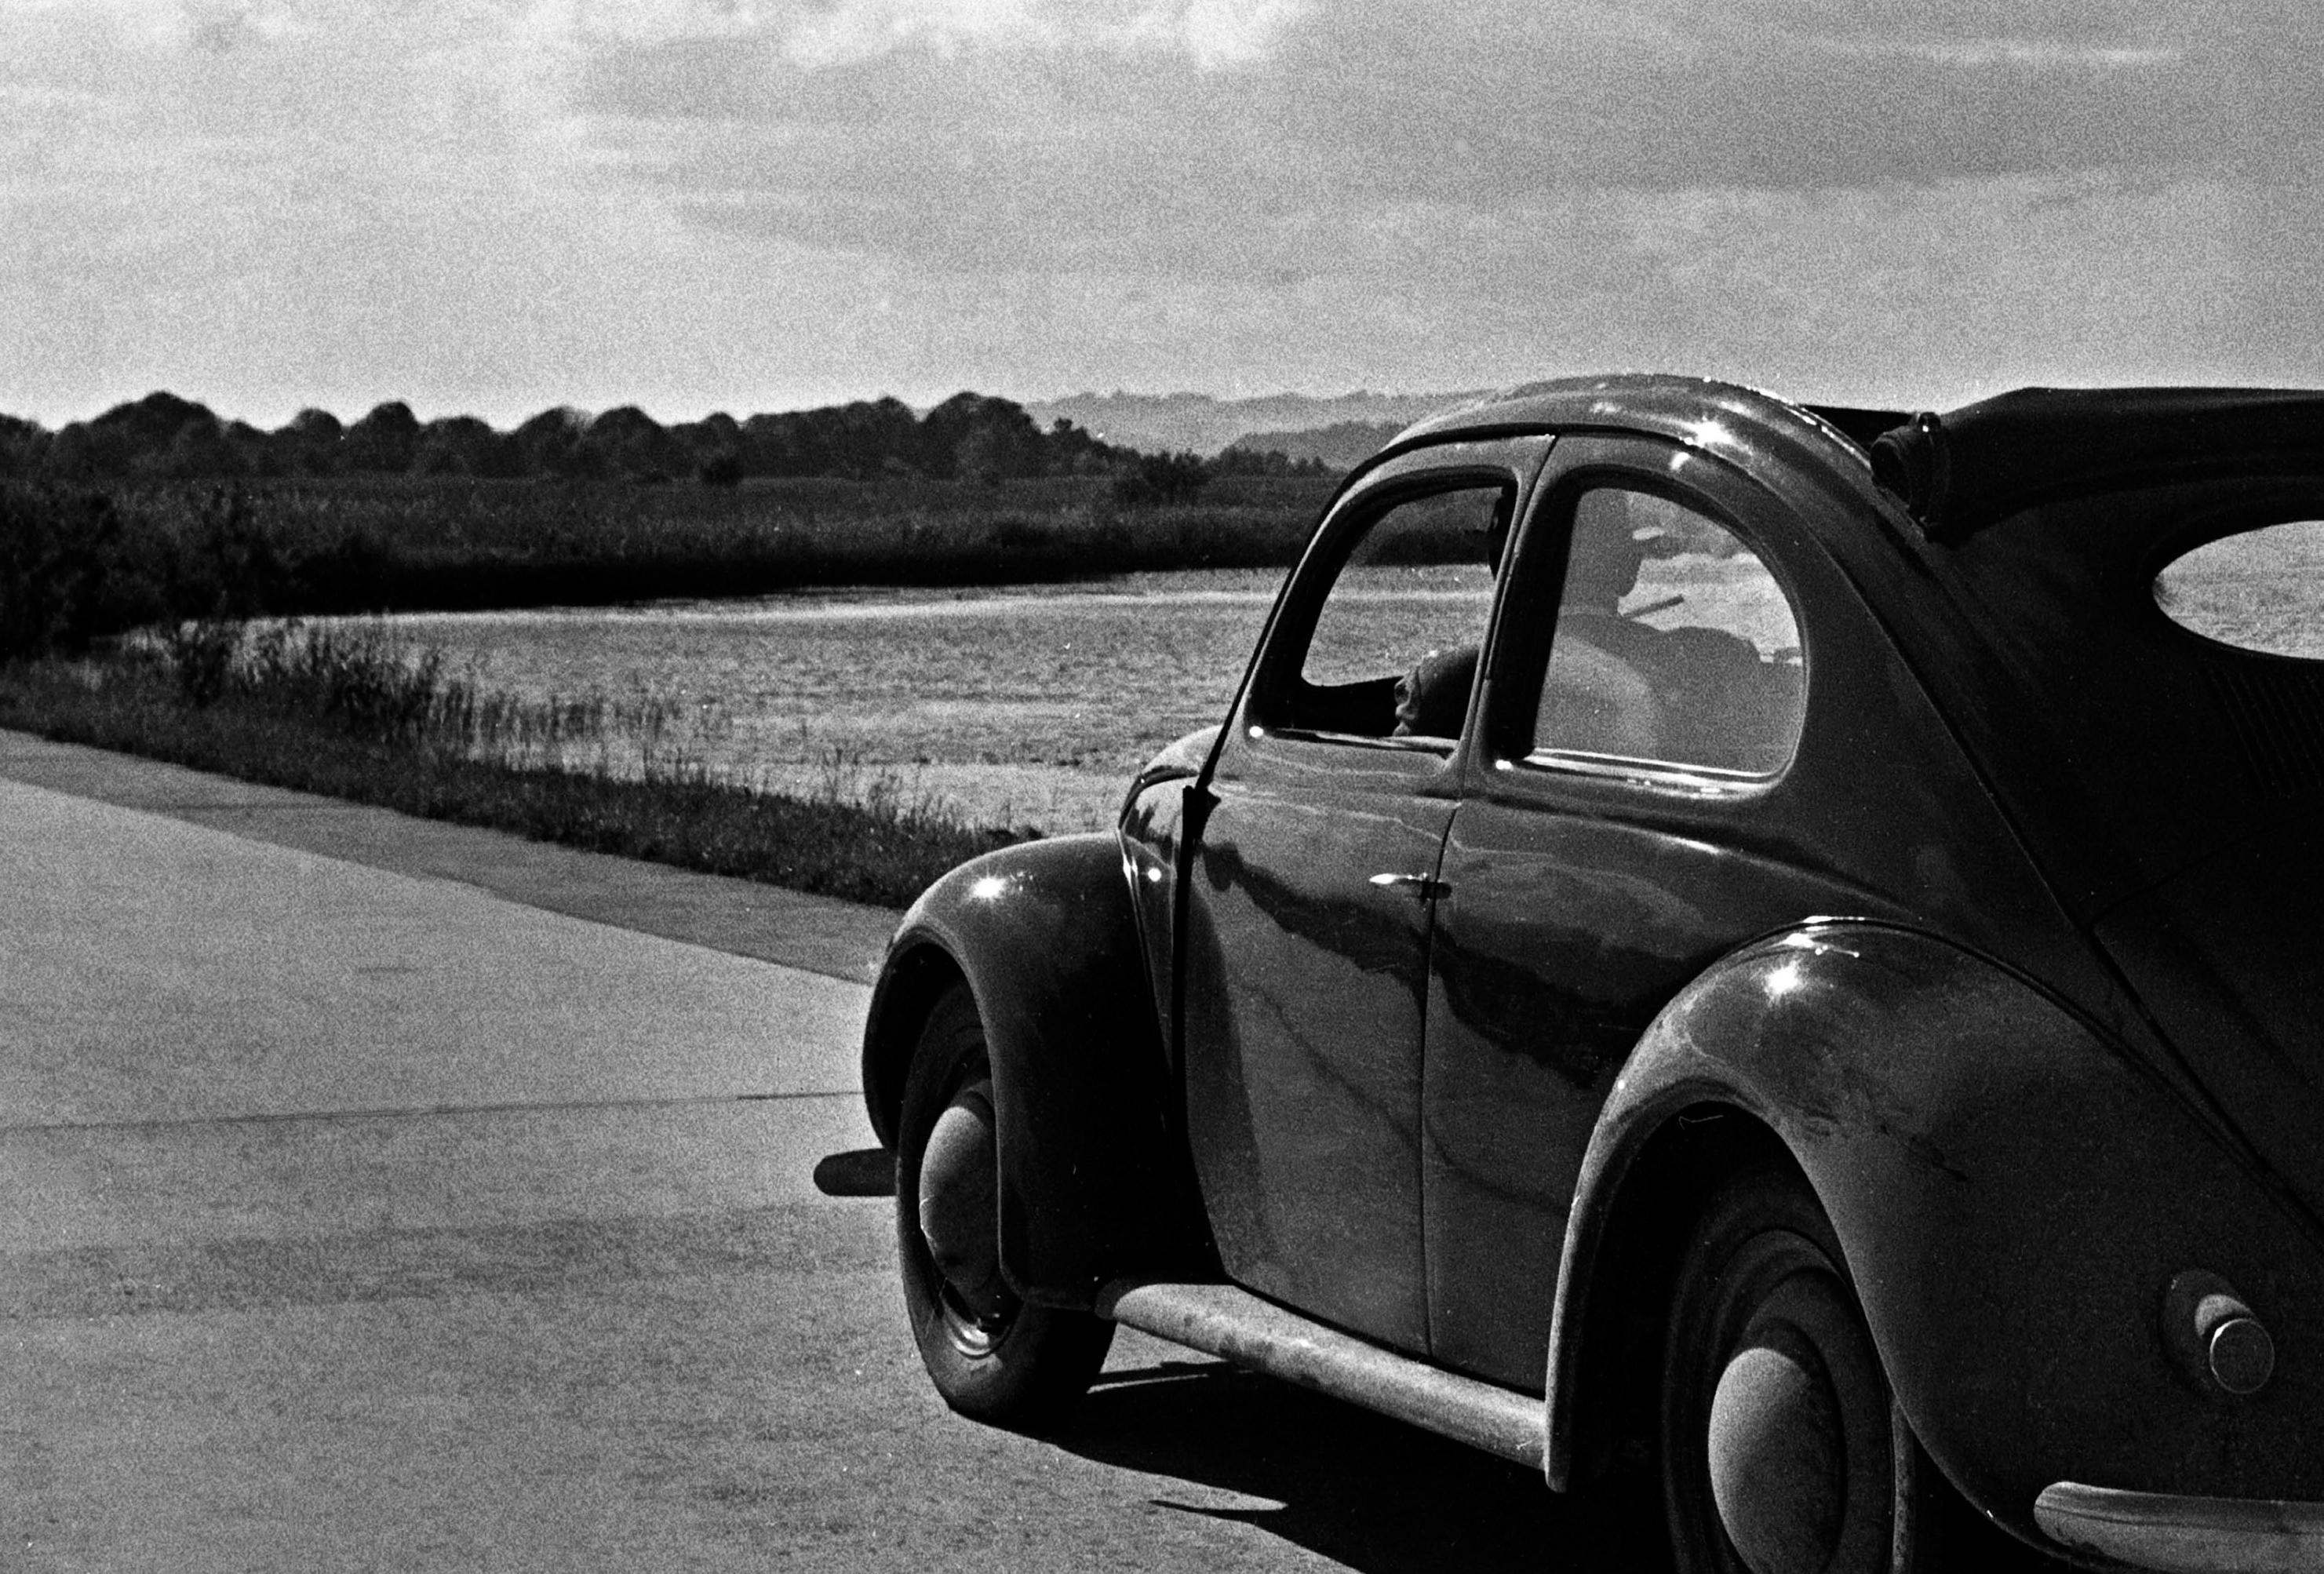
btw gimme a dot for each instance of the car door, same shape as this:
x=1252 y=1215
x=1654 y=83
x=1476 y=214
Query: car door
x=1625 y=824
x=1308 y=909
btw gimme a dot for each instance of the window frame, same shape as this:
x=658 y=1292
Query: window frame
x=1517 y=665
x=1279 y=681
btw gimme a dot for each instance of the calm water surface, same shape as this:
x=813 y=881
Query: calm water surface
x=1021 y=704
x=1033 y=705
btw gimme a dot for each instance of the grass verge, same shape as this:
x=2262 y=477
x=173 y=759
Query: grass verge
x=354 y=717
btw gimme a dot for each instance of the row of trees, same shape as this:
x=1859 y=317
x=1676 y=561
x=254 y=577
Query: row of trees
x=968 y=437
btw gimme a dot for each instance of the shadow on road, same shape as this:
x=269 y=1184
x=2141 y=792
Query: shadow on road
x=1366 y=1491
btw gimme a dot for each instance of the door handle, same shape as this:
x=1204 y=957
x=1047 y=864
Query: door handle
x=1419 y=885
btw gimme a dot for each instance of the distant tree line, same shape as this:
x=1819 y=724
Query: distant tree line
x=969 y=437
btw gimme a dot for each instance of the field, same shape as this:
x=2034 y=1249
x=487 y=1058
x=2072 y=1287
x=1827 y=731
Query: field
x=910 y=753
x=391 y=543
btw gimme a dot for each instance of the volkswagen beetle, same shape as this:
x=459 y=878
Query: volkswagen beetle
x=1763 y=952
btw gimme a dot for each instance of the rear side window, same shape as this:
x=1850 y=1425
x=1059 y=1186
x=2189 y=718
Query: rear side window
x=1675 y=644
x=2261 y=590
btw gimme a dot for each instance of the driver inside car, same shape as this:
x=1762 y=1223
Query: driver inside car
x=1693 y=693
x=1433 y=697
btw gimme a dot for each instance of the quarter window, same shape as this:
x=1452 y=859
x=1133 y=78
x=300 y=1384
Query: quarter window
x=1674 y=645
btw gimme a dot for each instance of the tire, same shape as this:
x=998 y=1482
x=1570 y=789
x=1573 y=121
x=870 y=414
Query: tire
x=1780 y=1449
x=991 y=1356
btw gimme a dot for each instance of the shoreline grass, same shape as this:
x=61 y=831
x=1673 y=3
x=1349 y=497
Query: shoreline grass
x=354 y=717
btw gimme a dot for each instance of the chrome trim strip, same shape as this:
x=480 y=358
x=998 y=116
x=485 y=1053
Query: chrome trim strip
x=2185 y=1536
x=1702 y=781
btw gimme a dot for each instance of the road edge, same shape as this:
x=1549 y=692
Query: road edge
x=822 y=935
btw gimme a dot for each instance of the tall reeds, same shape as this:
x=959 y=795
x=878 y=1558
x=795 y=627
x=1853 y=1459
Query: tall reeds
x=353 y=714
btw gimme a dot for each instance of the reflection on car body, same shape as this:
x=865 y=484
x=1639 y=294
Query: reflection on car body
x=1762 y=960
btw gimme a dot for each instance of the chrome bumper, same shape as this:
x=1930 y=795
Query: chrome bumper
x=2185 y=1536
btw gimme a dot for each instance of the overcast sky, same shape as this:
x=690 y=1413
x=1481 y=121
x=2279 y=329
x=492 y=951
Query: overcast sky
x=495 y=206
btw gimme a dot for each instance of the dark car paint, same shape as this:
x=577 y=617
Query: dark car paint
x=2015 y=1197
x=1301 y=1036
x=2129 y=752
x=1305 y=982
x=1162 y=805
x=2017 y=1159
x=1580 y=905
x=1045 y=938
x=2229 y=956
x=1534 y=1004
x=2130 y=748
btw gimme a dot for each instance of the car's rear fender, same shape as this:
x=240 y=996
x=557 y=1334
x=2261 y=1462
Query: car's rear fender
x=1045 y=939
x=2014 y=1196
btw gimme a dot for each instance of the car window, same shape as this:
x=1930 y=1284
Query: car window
x=1675 y=644
x=2259 y=590
x=1394 y=650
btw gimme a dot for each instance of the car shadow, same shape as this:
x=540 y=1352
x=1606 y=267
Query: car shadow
x=1365 y=1491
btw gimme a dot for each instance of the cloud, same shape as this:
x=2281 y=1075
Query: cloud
x=511 y=202
x=1404 y=143
x=999 y=135
x=1208 y=34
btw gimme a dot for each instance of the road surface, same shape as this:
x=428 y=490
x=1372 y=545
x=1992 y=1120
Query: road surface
x=381 y=1194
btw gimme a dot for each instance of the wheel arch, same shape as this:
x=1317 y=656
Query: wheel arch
x=2012 y=1192
x=915 y=976
x=1093 y=1178
x=1624 y=1242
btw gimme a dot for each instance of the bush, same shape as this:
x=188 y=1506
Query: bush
x=58 y=548
x=77 y=565
x=1159 y=479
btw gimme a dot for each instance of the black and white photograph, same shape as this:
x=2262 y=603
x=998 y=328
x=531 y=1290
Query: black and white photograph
x=1153 y=785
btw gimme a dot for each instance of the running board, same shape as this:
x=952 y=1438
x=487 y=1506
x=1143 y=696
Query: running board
x=1224 y=1320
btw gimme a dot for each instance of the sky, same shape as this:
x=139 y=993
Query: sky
x=493 y=207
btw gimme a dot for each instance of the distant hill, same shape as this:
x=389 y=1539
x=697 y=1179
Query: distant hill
x=1204 y=424
x=1343 y=446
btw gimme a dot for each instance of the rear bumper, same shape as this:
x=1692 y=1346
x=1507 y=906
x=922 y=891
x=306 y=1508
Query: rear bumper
x=2185 y=1536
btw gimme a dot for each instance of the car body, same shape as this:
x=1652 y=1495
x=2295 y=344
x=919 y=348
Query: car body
x=1939 y=902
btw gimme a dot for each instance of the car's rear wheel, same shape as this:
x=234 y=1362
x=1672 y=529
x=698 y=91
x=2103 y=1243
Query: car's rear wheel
x=1782 y=1449
x=991 y=1354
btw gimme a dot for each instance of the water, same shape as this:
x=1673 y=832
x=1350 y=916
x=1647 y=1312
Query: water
x=1033 y=705
x=1023 y=705
x=1020 y=705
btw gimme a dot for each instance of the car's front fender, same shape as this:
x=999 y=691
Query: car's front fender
x=1044 y=938
x=2015 y=1197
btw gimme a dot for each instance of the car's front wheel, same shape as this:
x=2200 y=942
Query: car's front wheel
x=1782 y=1448
x=991 y=1354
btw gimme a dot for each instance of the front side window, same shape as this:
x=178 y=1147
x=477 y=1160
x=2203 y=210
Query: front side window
x=1394 y=651
x=1675 y=644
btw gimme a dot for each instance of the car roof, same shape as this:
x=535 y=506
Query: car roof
x=1957 y=472
x=1699 y=412
x=2010 y=555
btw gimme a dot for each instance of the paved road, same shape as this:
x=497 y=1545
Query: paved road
x=376 y=1194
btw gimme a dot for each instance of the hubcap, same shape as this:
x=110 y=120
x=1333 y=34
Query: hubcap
x=1801 y=1461
x=1778 y=1458
x=960 y=1215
